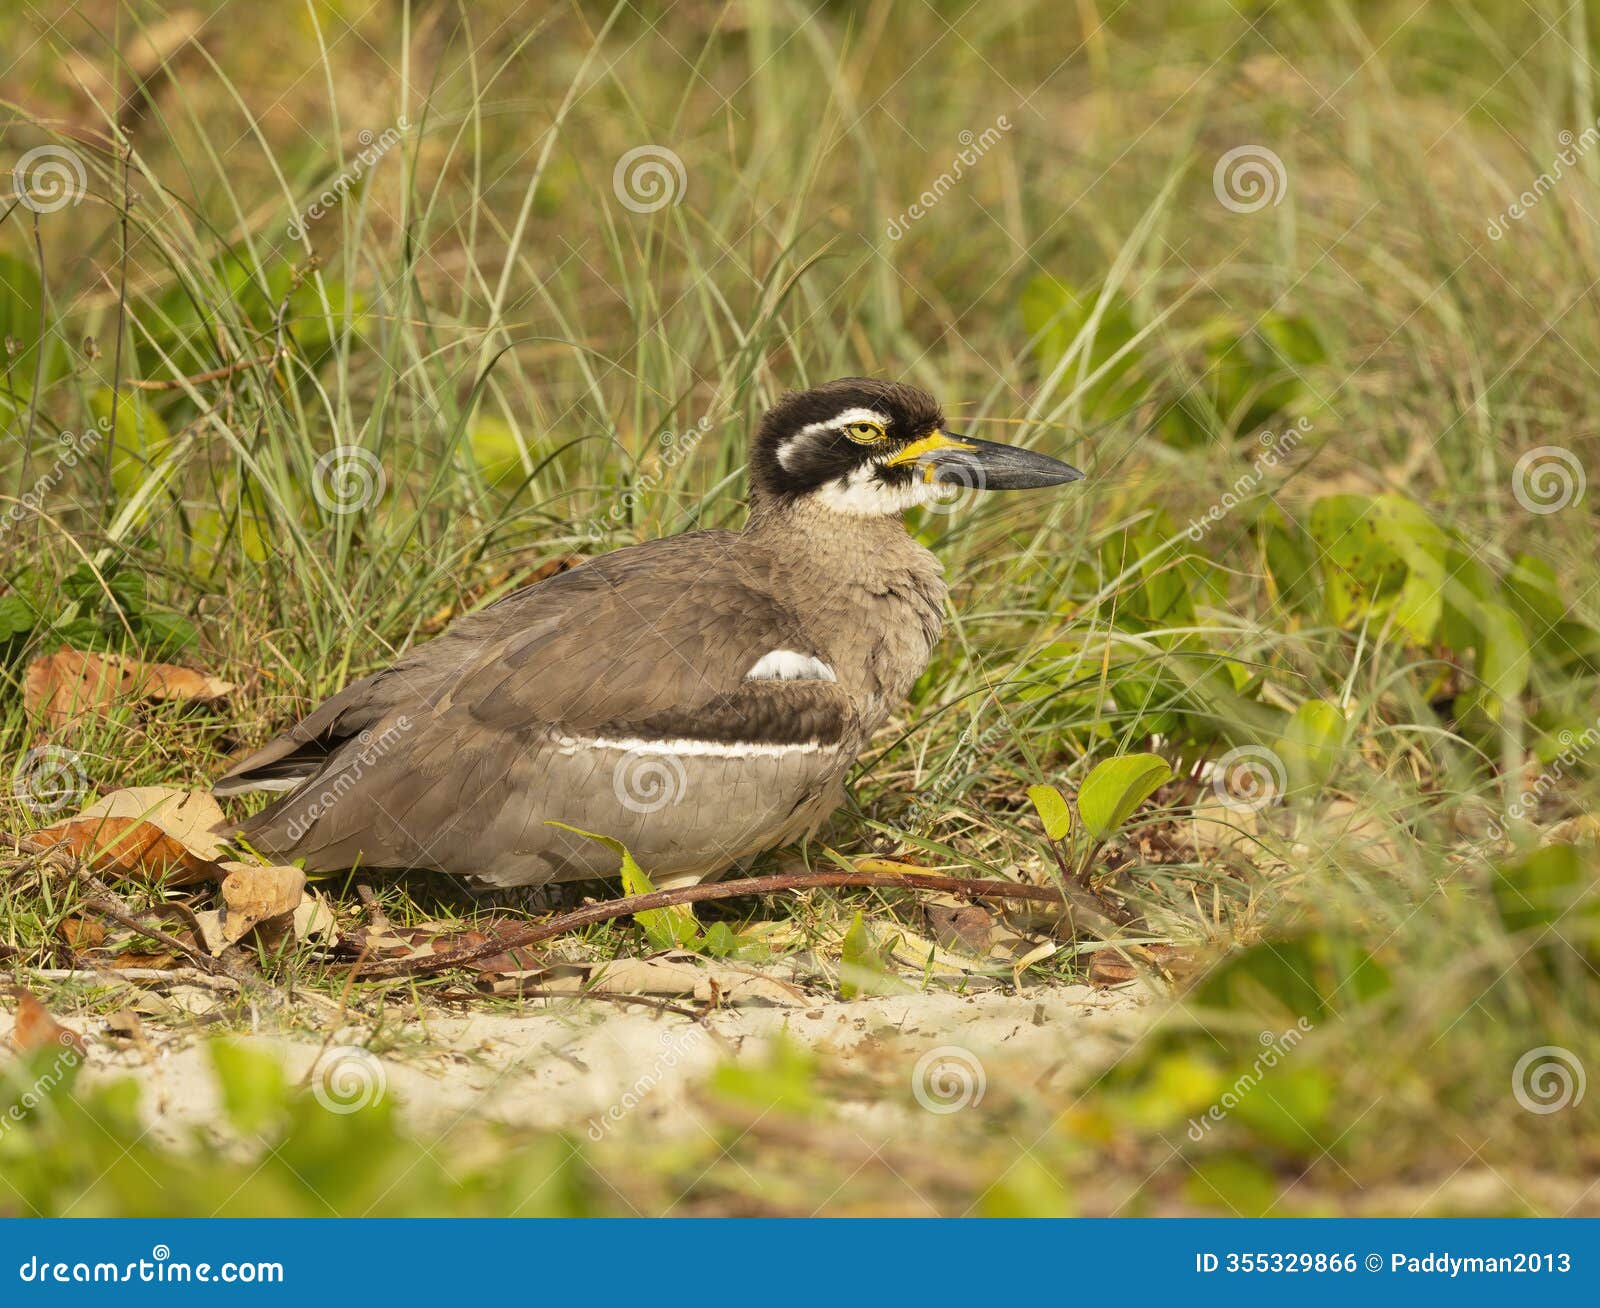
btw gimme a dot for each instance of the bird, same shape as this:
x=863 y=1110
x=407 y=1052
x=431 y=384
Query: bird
x=698 y=698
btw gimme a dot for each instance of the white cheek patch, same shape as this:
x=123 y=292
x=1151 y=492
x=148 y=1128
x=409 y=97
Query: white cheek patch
x=789 y=665
x=837 y=423
x=861 y=495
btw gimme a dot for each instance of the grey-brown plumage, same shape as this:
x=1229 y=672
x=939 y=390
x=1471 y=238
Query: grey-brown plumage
x=699 y=698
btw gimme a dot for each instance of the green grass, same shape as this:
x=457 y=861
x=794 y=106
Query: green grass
x=541 y=371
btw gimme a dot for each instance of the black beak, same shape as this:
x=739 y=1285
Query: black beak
x=984 y=465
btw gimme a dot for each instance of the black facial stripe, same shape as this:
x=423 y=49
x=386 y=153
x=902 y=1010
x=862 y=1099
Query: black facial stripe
x=810 y=462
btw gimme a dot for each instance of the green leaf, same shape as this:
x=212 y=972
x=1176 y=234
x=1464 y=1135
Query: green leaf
x=1053 y=811
x=665 y=928
x=16 y=616
x=1115 y=788
x=1233 y=1182
x=167 y=633
x=719 y=940
x=254 y=1089
x=861 y=970
x=139 y=441
x=1313 y=743
x=496 y=450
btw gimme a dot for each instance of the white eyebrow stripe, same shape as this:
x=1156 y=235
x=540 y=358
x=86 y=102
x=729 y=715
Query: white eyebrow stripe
x=789 y=665
x=836 y=423
x=844 y=420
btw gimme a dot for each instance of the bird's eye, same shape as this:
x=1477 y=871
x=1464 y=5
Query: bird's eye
x=864 y=433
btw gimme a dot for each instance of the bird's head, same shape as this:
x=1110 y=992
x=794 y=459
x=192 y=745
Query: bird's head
x=874 y=448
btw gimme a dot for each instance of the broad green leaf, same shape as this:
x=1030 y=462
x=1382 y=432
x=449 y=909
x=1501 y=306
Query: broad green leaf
x=496 y=450
x=1115 y=788
x=16 y=616
x=1543 y=888
x=139 y=440
x=861 y=969
x=1053 y=811
x=254 y=1088
x=1233 y=1182
x=674 y=927
x=1313 y=743
x=1504 y=657
x=785 y=1081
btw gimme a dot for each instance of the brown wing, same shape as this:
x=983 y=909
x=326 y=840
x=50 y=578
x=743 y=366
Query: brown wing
x=656 y=638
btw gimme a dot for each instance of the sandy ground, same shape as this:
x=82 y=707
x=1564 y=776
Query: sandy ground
x=587 y=1066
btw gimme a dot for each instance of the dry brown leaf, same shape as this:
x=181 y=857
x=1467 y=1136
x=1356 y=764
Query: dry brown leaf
x=132 y=960
x=212 y=936
x=125 y=1025
x=1110 y=969
x=147 y=833
x=252 y=895
x=81 y=933
x=961 y=926
x=71 y=684
x=314 y=920
x=36 y=1029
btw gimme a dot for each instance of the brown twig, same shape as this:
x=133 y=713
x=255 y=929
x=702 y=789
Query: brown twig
x=216 y=374
x=428 y=964
x=117 y=914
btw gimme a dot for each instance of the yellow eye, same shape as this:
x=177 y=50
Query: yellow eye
x=864 y=433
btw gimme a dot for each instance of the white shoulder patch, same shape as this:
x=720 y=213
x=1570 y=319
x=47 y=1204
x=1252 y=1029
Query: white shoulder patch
x=788 y=665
